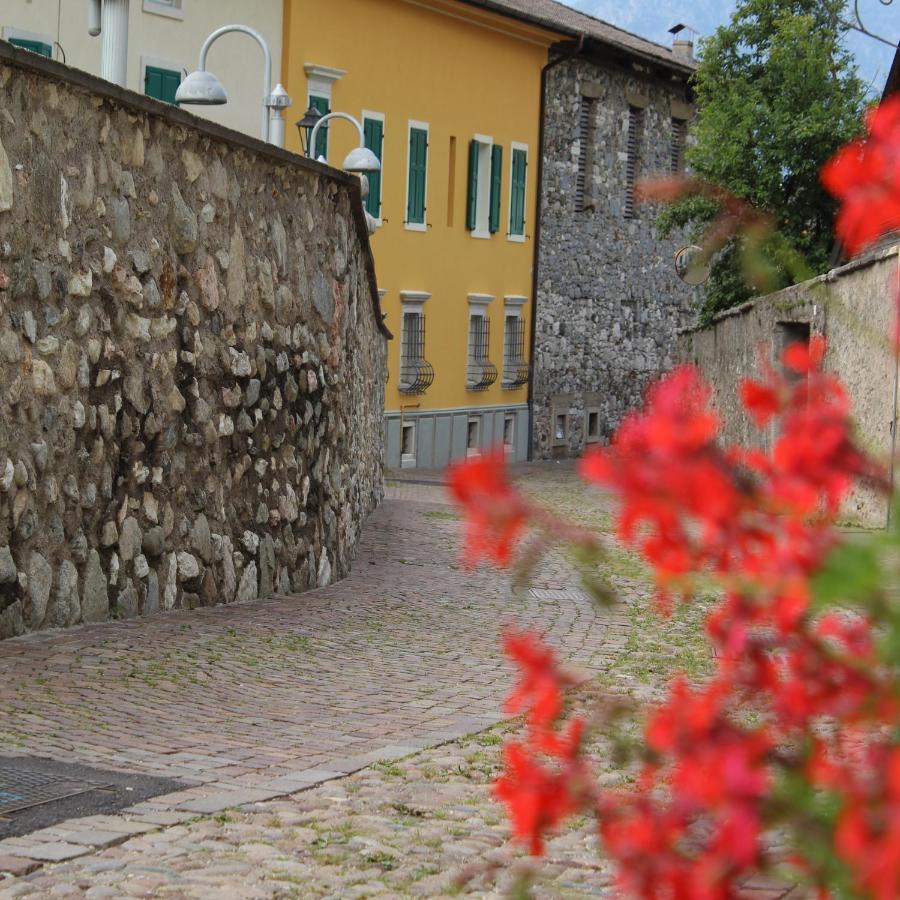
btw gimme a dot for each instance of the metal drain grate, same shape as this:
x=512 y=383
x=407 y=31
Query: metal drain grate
x=23 y=790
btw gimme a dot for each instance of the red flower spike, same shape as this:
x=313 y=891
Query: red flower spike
x=865 y=177
x=761 y=401
x=496 y=514
x=541 y=684
x=805 y=358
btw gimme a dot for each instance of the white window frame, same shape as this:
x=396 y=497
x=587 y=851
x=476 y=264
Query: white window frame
x=482 y=229
x=410 y=302
x=10 y=31
x=379 y=117
x=510 y=446
x=422 y=126
x=517 y=238
x=408 y=460
x=512 y=308
x=171 y=10
x=319 y=82
x=476 y=450
x=159 y=63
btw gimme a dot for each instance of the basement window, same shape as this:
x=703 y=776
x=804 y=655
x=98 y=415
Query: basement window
x=509 y=433
x=592 y=426
x=560 y=428
x=408 y=446
x=473 y=444
x=791 y=333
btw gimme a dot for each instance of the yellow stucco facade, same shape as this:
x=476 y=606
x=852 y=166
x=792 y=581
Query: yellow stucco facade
x=458 y=74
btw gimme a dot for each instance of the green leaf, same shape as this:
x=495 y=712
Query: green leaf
x=852 y=573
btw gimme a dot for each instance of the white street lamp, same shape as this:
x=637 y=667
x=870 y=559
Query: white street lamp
x=360 y=160
x=204 y=89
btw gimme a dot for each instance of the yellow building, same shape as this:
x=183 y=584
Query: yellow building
x=449 y=95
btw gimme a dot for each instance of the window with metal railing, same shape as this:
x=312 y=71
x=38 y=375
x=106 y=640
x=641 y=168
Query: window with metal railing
x=679 y=140
x=481 y=373
x=515 y=368
x=416 y=373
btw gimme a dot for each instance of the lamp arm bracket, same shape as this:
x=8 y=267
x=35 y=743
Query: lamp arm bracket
x=336 y=115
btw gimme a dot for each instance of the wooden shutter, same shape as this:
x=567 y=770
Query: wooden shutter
x=161 y=84
x=496 y=184
x=517 y=193
x=679 y=135
x=34 y=46
x=418 y=167
x=373 y=131
x=583 y=173
x=321 y=104
x=472 y=196
x=633 y=160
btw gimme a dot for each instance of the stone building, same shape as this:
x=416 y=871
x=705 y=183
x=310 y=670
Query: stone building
x=608 y=301
x=192 y=358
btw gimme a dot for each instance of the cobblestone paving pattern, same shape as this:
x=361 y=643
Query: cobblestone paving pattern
x=257 y=701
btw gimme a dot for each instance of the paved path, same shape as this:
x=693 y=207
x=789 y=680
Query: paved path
x=258 y=700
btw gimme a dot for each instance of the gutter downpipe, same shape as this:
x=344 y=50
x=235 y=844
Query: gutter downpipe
x=565 y=57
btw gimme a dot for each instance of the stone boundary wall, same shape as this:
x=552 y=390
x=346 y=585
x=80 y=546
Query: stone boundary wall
x=192 y=358
x=853 y=308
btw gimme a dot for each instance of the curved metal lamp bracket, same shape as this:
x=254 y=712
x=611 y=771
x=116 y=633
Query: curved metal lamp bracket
x=324 y=119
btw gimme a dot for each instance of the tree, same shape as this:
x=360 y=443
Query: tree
x=777 y=95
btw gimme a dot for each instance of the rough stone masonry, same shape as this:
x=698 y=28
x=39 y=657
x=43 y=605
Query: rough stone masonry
x=191 y=359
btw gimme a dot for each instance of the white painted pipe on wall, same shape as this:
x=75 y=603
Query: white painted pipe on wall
x=114 y=37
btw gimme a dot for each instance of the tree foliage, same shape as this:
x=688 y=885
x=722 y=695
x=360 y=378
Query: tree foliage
x=777 y=94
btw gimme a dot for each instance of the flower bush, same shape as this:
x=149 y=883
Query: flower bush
x=798 y=729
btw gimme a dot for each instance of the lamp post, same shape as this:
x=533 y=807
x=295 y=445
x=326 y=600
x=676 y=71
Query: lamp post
x=358 y=161
x=204 y=89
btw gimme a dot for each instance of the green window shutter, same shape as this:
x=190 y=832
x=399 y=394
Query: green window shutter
x=373 y=131
x=418 y=165
x=496 y=183
x=321 y=104
x=161 y=84
x=517 y=193
x=33 y=46
x=472 y=197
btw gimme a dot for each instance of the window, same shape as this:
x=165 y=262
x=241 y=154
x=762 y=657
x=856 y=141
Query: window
x=515 y=368
x=41 y=44
x=592 y=426
x=473 y=434
x=373 y=132
x=408 y=445
x=791 y=333
x=584 y=171
x=633 y=158
x=323 y=105
x=679 y=138
x=161 y=83
x=481 y=373
x=560 y=428
x=416 y=373
x=517 y=170
x=484 y=187
x=170 y=8
x=417 y=182
x=509 y=433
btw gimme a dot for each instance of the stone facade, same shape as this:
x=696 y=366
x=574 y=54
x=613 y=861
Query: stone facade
x=191 y=358
x=608 y=300
x=853 y=308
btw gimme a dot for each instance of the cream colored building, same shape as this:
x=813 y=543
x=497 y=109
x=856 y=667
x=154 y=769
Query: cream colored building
x=164 y=39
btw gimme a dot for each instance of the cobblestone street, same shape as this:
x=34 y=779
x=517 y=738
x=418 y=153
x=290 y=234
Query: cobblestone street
x=337 y=744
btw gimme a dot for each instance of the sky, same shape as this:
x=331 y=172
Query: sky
x=653 y=18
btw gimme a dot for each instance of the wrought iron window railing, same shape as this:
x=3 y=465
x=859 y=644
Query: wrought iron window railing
x=481 y=373
x=416 y=373
x=515 y=367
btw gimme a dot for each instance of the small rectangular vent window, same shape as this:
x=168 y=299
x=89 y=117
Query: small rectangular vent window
x=633 y=160
x=583 y=194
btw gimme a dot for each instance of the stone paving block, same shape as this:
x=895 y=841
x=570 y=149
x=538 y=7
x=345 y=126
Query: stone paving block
x=217 y=802
x=52 y=851
x=17 y=866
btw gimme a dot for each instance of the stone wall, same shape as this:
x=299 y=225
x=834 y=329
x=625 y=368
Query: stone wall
x=192 y=358
x=853 y=309
x=608 y=300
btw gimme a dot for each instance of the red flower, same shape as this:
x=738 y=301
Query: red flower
x=760 y=400
x=495 y=512
x=865 y=176
x=541 y=684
